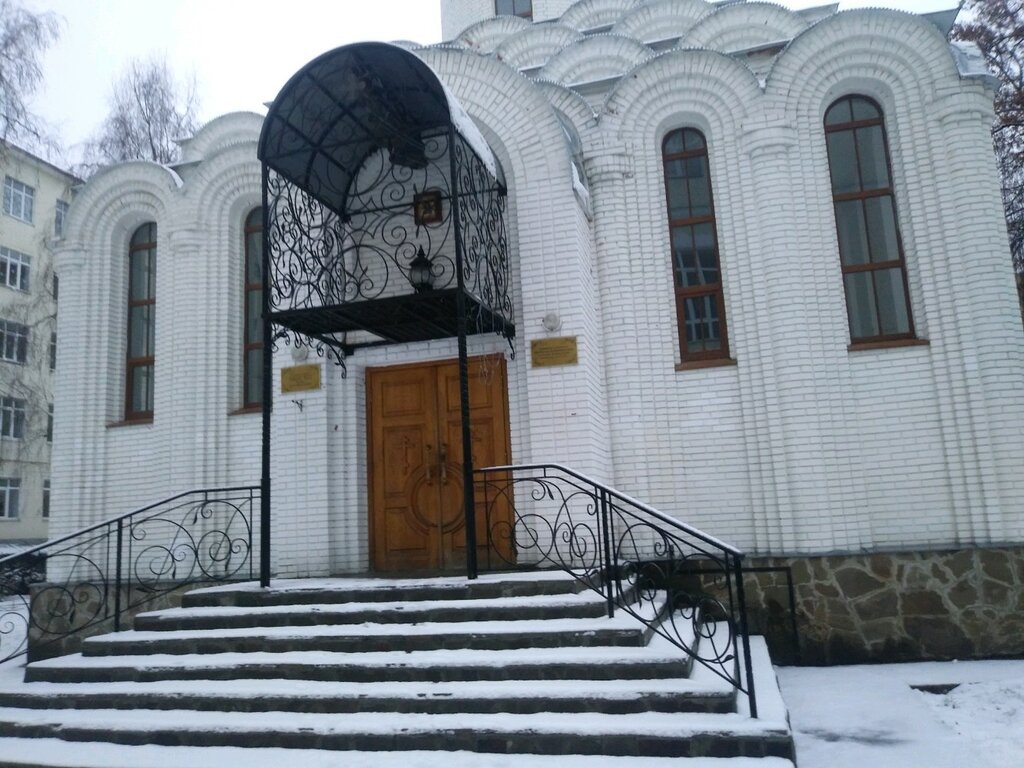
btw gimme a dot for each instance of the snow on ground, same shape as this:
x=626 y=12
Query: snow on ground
x=858 y=716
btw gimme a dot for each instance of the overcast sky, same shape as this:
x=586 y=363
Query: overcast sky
x=241 y=53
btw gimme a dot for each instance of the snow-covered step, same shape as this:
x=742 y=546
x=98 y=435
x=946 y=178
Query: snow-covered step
x=650 y=733
x=54 y=753
x=658 y=659
x=489 y=635
x=526 y=608
x=513 y=696
x=369 y=590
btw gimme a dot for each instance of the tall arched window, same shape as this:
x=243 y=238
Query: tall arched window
x=138 y=397
x=252 y=342
x=700 y=305
x=870 y=248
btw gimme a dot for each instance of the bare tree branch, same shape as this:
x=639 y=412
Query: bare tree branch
x=24 y=37
x=149 y=111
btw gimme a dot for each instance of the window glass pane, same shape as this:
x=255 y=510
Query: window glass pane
x=685 y=257
x=674 y=143
x=842 y=162
x=874 y=168
x=864 y=109
x=700 y=187
x=253 y=257
x=882 y=228
x=838 y=113
x=254 y=376
x=702 y=324
x=892 y=301
x=860 y=305
x=142 y=388
x=144 y=234
x=678 y=194
x=140 y=335
x=694 y=140
x=707 y=259
x=253 y=309
x=853 y=237
x=142 y=275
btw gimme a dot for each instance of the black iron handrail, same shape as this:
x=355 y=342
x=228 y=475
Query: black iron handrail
x=683 y=584
x=102 y=571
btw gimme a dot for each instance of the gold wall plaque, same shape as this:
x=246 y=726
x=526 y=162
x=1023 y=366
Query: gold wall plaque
x=300 y=378
x=549 y=352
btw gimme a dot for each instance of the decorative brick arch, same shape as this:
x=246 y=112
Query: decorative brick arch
x=228 y=130
x=707 y=84
x=534 y=46
x=662 y=19
x=746 y=25
x=596 y=58
x=485 y=36
x=590 y=14
x=901 y=54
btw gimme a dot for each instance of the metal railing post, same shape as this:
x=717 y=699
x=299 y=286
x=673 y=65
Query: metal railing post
x=117 y=576
x=606 y=535
x=745 y=634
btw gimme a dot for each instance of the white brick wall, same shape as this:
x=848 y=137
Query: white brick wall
x=801 y=446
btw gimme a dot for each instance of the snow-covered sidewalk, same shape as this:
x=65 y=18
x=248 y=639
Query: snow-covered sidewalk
x=859 y=716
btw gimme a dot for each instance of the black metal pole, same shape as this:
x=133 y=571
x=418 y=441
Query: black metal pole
x=268 y=397
x=748 y=663
x=469 y=501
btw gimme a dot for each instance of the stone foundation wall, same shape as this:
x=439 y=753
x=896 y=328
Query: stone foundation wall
x=904 y=606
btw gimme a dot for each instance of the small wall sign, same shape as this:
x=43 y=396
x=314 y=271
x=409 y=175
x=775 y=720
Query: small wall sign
x=545 y=353
x=300 y=378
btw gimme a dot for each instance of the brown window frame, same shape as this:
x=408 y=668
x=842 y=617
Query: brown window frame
x=527 y=14
x=252 y=291
x=683 y=293
x=863 y=194
x=134 y=363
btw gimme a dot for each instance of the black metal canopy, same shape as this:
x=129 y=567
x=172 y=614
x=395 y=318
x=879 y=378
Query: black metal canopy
x=347 y=103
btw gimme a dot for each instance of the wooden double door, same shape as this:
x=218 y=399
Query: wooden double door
x=417 y=518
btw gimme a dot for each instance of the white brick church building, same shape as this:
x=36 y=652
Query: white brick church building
x=771 y=240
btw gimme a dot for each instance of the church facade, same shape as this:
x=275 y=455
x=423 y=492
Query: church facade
x=773 y=240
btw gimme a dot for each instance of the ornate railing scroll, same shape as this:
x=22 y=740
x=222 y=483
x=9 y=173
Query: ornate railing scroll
x=685 y=585
x=97 y=574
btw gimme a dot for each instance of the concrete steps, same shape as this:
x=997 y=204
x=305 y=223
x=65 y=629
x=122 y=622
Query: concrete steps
x=526 y=665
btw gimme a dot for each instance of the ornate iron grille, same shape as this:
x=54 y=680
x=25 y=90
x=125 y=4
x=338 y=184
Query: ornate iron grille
x=338 y=283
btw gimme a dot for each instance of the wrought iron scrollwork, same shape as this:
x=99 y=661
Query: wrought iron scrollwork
x=95 y=575
x=684 y=585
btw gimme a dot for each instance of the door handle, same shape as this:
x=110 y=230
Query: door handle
x=443 y=463
x=429 y=461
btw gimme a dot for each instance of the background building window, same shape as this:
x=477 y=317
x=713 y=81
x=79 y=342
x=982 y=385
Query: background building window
x=46 y=499
x=252 y=344
x=700 y=304
x=49 y=423
x=12 y=417
x=10 y=491
x=870 y=247
x=522 y=8
x=13 y=341
x=19 y=199
x=53 y=351
x=141 y=324
x=14 y=268
x=59 y=217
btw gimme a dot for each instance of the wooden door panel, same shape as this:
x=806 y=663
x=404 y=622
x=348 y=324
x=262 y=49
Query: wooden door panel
x=416 y=480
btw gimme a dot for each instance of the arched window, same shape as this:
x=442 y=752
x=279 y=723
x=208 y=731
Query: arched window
x=522 y=8
x=870 y=248
x=252 y=341
x=138 y=391
x=700 y=305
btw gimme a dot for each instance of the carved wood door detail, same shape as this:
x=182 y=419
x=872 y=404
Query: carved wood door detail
x=417 y=522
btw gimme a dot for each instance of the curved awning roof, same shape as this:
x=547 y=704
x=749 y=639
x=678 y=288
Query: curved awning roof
x=347 y=103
